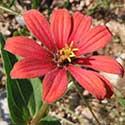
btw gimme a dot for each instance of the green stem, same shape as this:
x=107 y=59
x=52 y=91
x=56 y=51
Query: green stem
x=41 y=114
x=87 y=104
x=9 y=10
x=71 y=112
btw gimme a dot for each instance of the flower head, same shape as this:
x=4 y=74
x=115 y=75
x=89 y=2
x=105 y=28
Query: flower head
x=65 y=42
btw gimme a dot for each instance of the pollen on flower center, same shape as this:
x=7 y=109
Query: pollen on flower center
x=67 y=53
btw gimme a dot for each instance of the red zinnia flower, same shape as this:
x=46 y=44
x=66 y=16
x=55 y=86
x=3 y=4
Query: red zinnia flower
x=64 y=42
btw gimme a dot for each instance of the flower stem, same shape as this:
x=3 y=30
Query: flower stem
x=40 y=114
x=69 y=111
x=9 y=10
x=86 y=103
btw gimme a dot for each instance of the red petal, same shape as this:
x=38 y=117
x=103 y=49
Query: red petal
x=39 y=26
x=95 y=39
x=107 y=85
x=81 y=24
x=25 y=47
x=30 y=68
x=90 y=81
x=102 y=63
x=60 y=26
x=54 y=85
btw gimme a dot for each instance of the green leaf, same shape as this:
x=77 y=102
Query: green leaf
x=122 y=102
x=49 y=121
x=11 y=3
x=35 y=3
x=24 y=96
x=21 y=32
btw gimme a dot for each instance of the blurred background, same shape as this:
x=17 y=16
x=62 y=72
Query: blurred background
x=71 y=109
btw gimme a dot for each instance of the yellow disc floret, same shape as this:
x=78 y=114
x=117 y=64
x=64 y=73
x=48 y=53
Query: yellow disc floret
x=67 y=53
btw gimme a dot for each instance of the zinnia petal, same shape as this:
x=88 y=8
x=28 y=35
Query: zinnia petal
x=107 y=85
x=81 y=25
x=30 y=68
x=90 y=81
x=39 y=26
x=54 y=85
x=61 y=26
x=25 y=47
x=102 y=63
x=95 y=39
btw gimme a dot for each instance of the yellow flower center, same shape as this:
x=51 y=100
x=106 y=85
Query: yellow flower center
x=67 y=53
